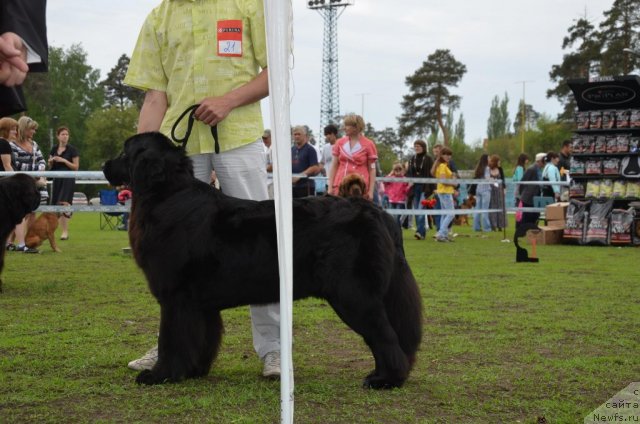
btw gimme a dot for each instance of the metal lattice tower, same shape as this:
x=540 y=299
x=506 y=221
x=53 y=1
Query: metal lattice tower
x=330 y=10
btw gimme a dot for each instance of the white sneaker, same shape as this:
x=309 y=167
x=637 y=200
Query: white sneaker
x=147 y=361
x=271 y=367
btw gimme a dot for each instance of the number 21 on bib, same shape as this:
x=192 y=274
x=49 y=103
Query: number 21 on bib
x=230 y=38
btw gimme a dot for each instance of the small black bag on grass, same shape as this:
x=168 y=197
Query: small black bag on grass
x=598 y=223
x=621 y=224
x=576 y=218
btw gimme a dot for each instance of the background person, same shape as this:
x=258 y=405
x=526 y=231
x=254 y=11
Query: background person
x=564 y=166
x=397 y=191
x=266 y=140
x=228 y=83
x=444 y=191
x=353 y=153
x=63 y=157
x=28 y=157
x=8 y=133
x=564 y=163
x=330 y=138
x=551 y=173
x=304 y=160
x=518 y=173
x=420 y=167
x=528 y=192
x=483 y=195
x=497 y=220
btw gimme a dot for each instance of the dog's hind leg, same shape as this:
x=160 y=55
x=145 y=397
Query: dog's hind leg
x=189 y=339
x=367 y=317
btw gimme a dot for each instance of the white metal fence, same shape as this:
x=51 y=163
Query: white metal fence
x=98 y=178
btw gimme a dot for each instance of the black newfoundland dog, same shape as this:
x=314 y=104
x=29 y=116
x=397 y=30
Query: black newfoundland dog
x=202 y=251
x=18 y=197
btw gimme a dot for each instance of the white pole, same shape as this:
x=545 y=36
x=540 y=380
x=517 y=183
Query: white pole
x=278 y=17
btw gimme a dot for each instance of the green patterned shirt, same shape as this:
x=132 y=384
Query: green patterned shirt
x=192 y=49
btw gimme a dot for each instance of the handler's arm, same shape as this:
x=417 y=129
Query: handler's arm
x=332 y=174
x=6 y=162
x=152 y=111
x=214 y=109
x=372 y=179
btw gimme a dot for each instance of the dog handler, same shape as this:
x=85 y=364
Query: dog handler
x=211 y=53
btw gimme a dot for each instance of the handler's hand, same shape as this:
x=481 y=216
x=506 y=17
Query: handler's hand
x=213 y=110
x=13 y=60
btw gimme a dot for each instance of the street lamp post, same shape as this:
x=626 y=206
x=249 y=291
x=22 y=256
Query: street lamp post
x=523 y=115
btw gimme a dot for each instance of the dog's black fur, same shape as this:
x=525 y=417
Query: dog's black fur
x=19 y=196
x=203 y=251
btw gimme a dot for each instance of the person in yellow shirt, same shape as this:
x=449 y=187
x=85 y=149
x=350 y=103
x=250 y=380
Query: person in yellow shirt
x=444 y=191
x=211 y=53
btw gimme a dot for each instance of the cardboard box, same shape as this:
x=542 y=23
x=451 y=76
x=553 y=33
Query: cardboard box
x=546 y=235
x=556 y=211
x=556 y=223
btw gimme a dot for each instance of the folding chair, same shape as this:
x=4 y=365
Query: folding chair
x=111 y=220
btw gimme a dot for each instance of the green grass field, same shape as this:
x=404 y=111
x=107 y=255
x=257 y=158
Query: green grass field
x=503 y=342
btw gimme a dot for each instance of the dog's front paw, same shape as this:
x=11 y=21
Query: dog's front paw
x=373 y=381
x=149 y=378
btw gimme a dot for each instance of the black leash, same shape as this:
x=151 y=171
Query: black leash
x=190 y=110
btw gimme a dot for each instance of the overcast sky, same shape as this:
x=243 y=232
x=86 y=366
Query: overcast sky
x=380 y=43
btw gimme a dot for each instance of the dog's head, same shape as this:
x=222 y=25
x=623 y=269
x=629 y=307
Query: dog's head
x=352 y=185
x=470 y=201
x=149 y=160
x=21 y=195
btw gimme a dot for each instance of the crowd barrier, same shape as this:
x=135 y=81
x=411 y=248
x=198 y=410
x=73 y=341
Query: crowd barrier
x=97 y=177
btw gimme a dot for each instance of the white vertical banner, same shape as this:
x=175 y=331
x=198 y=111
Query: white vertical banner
x=279 y=21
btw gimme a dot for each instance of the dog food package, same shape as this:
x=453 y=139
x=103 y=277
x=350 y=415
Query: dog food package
x=575 y=220
x=601 y=144
x=621 y=226
x=619 y=189
x=582 y=120
x=576 y=189
x=622 y=118
x=593 y=167
x=588 y=144
x=608 y=119
x=611 y=166
x=623 y=143
x=634 y=118
x=606 y=189
x=593 y=189
x=576 y=166
x=595 y=119
x=576 y=144
x=597 y=231
x=612 y=144
x=633 y=190
x=634 y=145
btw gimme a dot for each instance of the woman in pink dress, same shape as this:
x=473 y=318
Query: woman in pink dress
x=353 y=153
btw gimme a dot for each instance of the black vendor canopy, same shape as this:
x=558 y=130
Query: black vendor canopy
x=598 y=93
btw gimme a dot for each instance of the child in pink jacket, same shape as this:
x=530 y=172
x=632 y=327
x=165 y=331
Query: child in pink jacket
x=397 y=191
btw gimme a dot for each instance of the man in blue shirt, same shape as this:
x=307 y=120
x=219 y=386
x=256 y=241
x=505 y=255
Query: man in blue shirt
x=304 y=160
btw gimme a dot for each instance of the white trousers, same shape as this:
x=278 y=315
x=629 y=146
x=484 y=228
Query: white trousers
x=242 y=173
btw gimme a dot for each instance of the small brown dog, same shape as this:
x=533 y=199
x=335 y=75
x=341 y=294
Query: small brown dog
x=42 y=229
x=352 y=185
x=468 y=203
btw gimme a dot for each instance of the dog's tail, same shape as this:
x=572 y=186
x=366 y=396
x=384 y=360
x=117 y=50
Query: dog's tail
x=403 y=303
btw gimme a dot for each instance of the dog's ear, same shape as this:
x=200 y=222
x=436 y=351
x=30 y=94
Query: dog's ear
x=148 y=169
